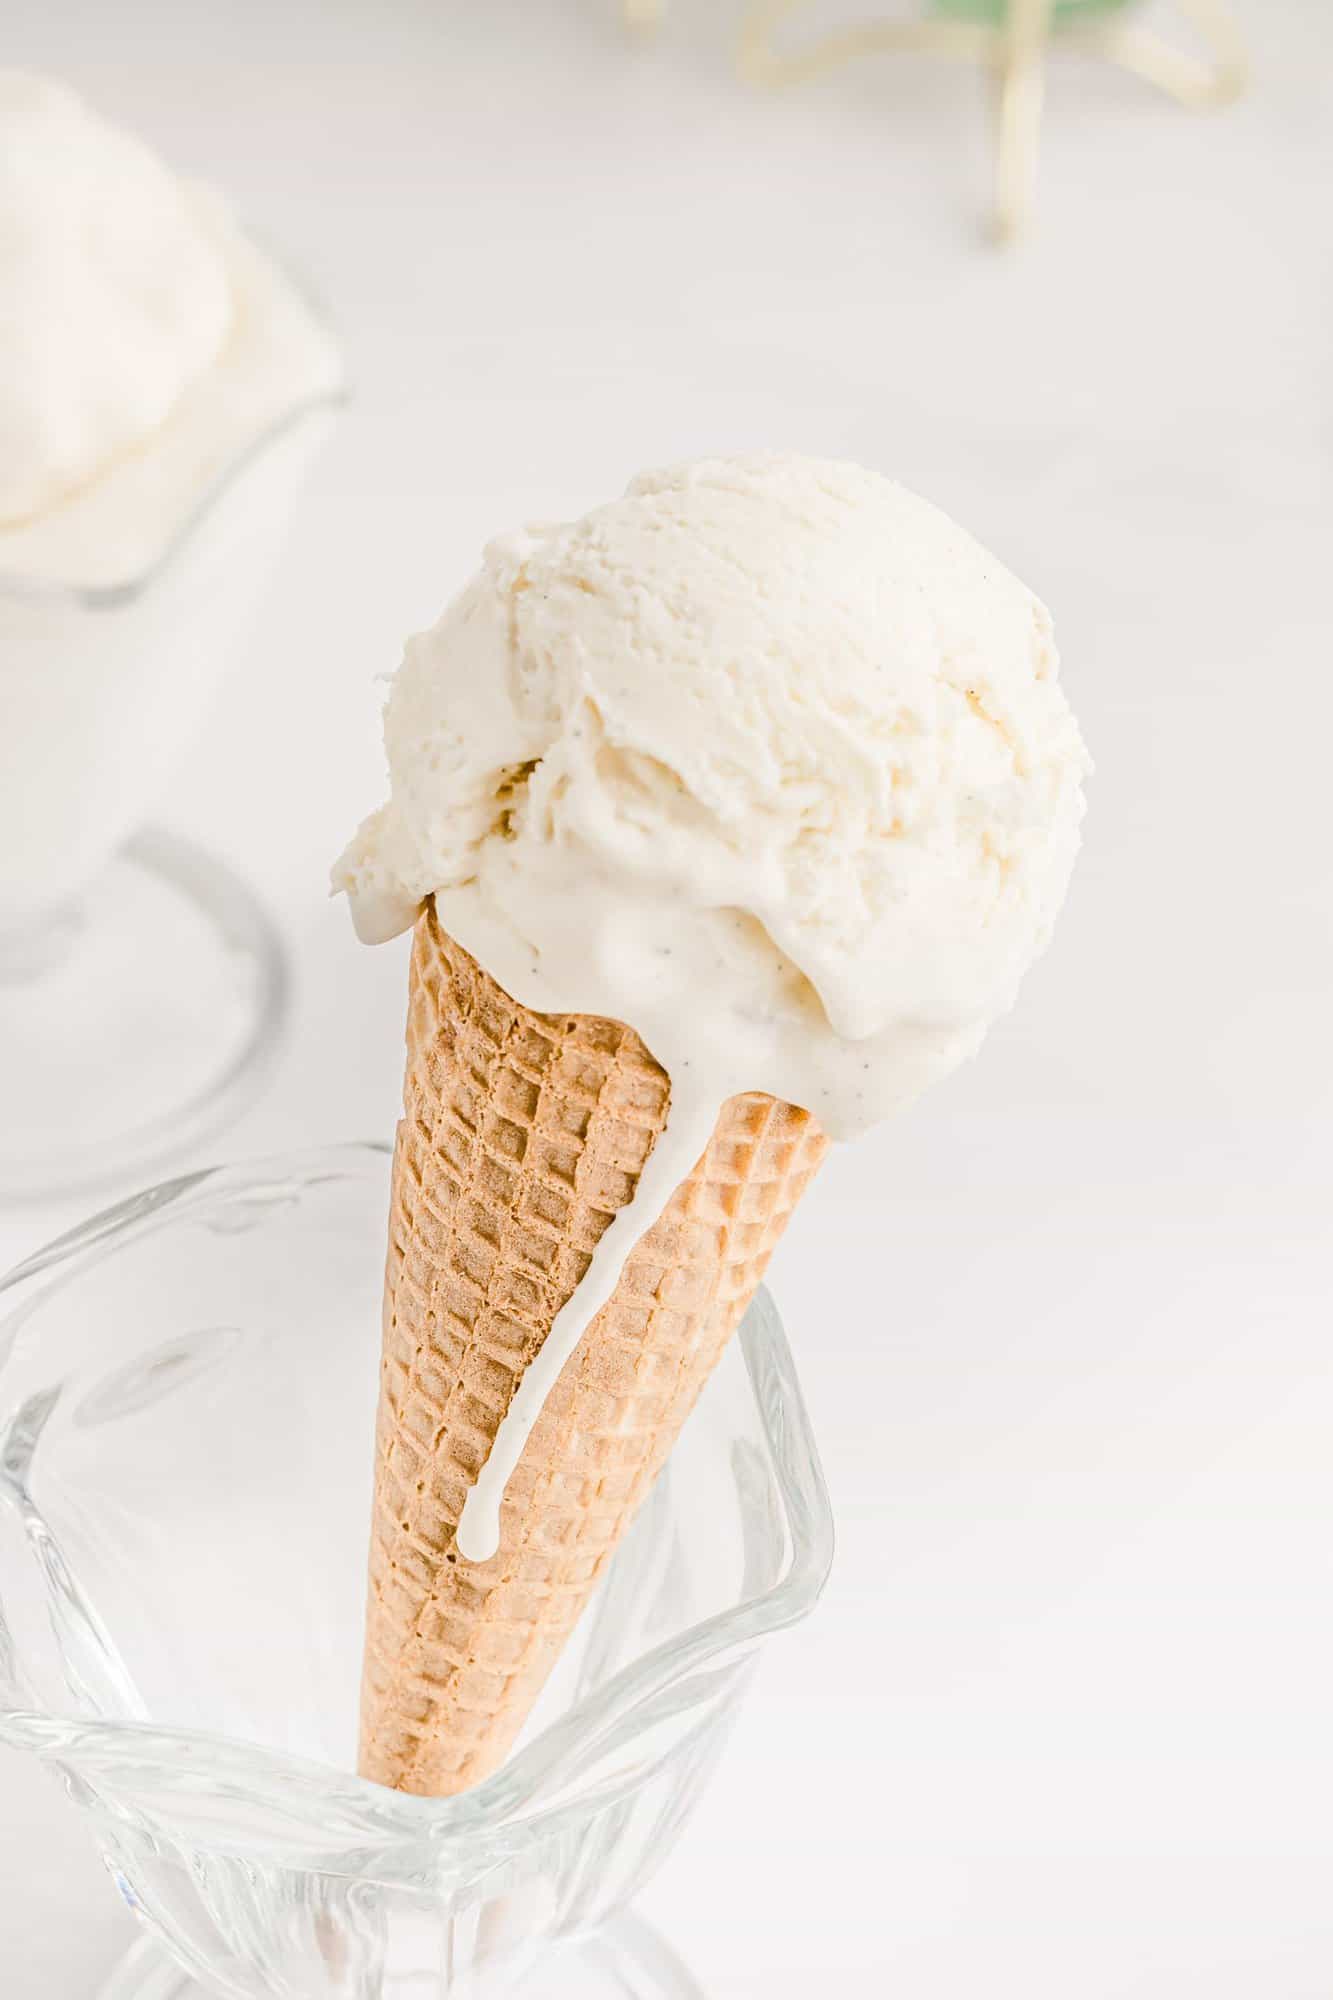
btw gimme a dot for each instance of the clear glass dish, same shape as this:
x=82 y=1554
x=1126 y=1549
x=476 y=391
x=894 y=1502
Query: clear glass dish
x=187 y=1389
x=625 y=1960
x=136 y=996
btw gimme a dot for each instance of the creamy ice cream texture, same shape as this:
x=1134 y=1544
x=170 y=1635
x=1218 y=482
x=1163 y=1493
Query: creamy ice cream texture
x=144 y=342
x=767 y=759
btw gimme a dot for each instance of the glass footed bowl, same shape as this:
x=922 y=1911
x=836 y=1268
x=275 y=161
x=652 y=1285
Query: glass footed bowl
x=187 y=1389
x=103 y=686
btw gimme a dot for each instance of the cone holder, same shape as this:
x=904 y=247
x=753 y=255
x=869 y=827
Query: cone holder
x=187 y=1405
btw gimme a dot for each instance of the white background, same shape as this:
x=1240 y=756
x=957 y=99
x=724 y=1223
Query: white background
x=1062 y=1724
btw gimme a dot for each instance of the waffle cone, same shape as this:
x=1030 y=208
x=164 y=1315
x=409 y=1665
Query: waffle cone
x=522 y=1135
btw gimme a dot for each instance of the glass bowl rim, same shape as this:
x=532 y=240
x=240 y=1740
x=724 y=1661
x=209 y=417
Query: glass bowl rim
x=368 y=1809
x=100 y=597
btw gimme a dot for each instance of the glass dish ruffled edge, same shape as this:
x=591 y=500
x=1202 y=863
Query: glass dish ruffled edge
x=367 y=1812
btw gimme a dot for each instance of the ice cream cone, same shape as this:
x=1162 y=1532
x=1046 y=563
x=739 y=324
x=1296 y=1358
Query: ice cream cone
x=522 y=1135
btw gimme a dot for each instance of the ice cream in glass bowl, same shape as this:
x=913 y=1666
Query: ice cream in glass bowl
x=165 y=385
x=187 y=1392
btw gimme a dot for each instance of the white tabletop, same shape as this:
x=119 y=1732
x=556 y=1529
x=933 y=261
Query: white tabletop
x=1062 y=1724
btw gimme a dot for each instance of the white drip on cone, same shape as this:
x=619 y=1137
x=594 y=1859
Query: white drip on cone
x=677 y=1151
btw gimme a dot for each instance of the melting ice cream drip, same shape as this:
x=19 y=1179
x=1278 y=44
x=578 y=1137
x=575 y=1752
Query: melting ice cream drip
x=678 y=1149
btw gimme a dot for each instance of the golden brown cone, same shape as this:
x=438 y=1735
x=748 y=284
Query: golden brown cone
x=522 y=1134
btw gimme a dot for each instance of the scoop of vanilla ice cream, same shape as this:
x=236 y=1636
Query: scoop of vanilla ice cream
x=115 y=296
x=766 y=758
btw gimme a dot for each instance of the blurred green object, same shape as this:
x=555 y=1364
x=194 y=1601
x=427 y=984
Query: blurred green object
x=1064 y=13
x=1010 y=38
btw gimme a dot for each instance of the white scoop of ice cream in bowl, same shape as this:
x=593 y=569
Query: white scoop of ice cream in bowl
x=164 y=388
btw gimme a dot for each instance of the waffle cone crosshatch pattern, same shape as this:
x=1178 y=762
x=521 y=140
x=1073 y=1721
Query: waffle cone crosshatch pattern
x=521 y=1137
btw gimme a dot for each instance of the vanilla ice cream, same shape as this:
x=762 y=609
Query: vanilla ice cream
x=767 y=759
x=145 y=341
x=95 y=349
x=163 y=386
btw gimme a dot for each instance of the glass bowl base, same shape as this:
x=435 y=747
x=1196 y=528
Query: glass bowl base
x=136 y=1023
x=627 y=1960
